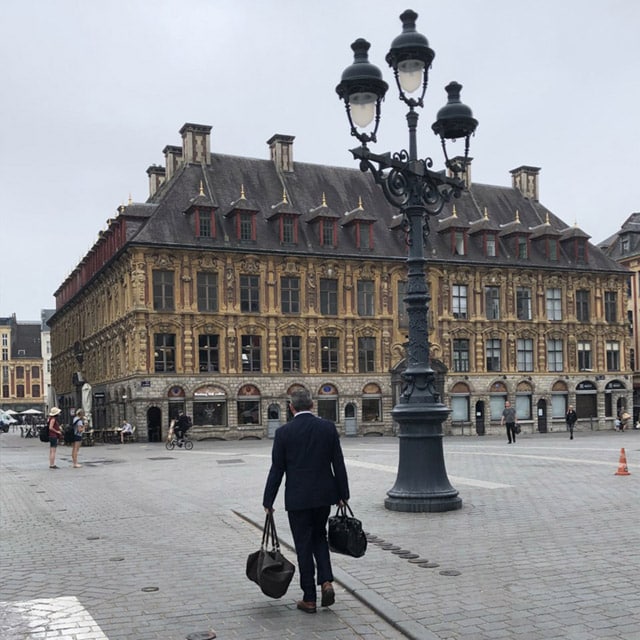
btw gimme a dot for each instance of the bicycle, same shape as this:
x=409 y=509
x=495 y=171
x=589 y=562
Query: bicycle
x=173 y=442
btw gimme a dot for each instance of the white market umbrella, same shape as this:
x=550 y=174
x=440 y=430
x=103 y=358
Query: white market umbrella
x=31 y=412
x=87 y=400
x=11 y=412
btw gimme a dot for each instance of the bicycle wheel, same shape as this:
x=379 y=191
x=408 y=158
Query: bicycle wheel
x=170 y=444
x=188 y=445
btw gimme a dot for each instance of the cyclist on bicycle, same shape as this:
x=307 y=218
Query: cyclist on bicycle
x=183 y=424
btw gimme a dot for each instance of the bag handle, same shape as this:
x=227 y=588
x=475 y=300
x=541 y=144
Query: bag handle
x=269 y=534
x=342 y=510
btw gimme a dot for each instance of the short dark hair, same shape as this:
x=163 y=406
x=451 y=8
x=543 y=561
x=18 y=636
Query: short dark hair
x=301 y=400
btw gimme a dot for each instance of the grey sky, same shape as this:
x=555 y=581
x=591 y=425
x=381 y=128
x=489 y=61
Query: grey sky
x=93 y=91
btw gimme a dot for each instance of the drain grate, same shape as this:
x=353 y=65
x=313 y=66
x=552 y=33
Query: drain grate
x=231 y=461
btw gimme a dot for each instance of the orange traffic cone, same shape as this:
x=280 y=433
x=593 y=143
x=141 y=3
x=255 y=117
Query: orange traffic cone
x=623 y=470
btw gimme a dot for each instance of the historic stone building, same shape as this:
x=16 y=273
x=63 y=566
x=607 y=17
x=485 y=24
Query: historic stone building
x=624 y=248
x=23 y=376
x=241 y=278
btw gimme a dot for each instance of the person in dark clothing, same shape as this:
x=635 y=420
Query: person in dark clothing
x=509 y=420
x=183 y=424
x=571 y=418
x=307 y=449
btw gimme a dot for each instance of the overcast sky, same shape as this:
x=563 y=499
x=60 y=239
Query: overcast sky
x=93 y=91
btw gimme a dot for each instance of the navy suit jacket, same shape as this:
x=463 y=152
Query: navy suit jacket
x=308 y=450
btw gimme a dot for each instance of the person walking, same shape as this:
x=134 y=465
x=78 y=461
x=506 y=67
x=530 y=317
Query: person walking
x=79 y=425
x=571 y=418
x=55 y=433
x=307 y=449
x=509 y=420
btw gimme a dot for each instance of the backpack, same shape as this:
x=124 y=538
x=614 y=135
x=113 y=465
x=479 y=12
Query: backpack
x=44 y=433
x=69 y=433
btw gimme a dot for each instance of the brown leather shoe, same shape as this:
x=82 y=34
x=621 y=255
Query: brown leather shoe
x=307 y=607
x=328 y=594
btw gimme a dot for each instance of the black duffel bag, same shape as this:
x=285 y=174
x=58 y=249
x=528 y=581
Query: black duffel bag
x=267 y=567
x=345 y=533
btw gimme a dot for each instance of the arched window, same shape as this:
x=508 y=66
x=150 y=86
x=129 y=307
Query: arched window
x=497 y=398
x=249 y=405
x=210 y=406
x=523 y=401
x=559 y=400
x=371 y=403
x=459 y=396
x=327 y=402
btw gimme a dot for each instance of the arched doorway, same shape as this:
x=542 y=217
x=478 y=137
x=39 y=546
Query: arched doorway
x=542 y=415
x=480 y=429
x=154 y=424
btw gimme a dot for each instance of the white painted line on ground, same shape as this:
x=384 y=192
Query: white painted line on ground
x=48 y=618
x=471 y=482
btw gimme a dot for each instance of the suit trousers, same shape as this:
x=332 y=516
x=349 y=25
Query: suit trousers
x=309 y=530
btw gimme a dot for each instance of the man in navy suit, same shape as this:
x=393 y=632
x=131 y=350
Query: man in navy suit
x=308 y=450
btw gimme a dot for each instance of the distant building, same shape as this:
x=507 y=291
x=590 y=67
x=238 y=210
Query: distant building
x=241 y=279
x=22 y=370
x=624 y=248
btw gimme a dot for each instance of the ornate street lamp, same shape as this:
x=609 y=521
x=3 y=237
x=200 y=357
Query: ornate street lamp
x=409 y=184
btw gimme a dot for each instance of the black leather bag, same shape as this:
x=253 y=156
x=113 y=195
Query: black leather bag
x=345 y=533
x=267 y=567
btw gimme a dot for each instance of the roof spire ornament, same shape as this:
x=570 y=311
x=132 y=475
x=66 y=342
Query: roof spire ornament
x=517 y=216
x=242 y=196
x=324 y=199
x=284 y=196
x=486 y=213
x=454 y=213
x=201 y=189
x=360 y=203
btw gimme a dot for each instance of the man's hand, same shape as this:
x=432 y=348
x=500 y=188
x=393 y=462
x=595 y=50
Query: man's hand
x=268 y=509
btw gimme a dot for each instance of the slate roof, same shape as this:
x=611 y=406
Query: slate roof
x=630 y=231
x=342 y=189
x=26 y=338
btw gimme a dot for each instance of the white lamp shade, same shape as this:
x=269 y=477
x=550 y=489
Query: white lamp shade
x=410 y=74
x=363 y=108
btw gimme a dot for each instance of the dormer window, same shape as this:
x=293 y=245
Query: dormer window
x=287 y=220
x=245 y=226
x=288 y=229
x=458 y=239
x=202 y=211
x=328 y=232
x=552 y=249
x=362 y=223
x=243 y=213
x=490 y=245
x=205 y=224
x=522 y=247
x=325 y=220
x=364 y=235
x=624 y=244
x=581 y=251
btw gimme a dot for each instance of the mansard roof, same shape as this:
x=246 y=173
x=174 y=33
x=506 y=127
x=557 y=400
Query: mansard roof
x=228 y=184
x=625 y=243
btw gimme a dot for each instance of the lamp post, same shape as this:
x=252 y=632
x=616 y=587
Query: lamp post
x=409 y=184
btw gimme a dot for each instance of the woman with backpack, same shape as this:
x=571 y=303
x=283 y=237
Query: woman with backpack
x=79 y=425
x=55 y=433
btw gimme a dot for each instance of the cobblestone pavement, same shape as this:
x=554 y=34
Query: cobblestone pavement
x=146 y=544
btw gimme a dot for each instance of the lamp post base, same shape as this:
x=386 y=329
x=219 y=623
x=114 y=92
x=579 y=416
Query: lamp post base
x=422 y=484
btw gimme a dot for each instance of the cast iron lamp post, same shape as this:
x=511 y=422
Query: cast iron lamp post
x=409 y=184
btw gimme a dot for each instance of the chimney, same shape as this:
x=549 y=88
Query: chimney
x=525 y=179
x=173 y=157
x=196 y=143
x=282 y=152
x=156 y=178
x=465 y=174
